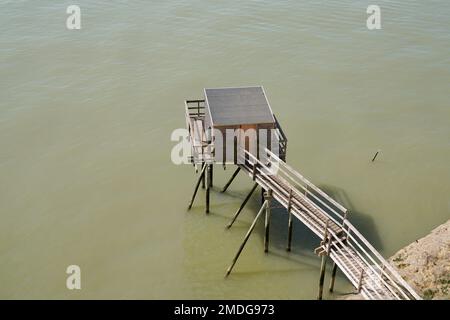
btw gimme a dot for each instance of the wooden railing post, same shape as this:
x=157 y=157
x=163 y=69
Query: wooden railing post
x=346 y=232
x=268 y=197
x=255 y=165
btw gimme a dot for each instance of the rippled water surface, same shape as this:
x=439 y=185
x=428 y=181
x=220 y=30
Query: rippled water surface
x=86 y=118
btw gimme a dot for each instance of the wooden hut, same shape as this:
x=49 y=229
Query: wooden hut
x=231 y=119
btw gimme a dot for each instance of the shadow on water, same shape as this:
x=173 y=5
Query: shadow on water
x=363 y=222
x=304 y=241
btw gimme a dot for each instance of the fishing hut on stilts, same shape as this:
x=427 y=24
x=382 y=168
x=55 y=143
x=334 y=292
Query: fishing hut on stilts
x=236 y=126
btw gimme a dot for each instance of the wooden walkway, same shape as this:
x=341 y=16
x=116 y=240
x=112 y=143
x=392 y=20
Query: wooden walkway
x=364 y=267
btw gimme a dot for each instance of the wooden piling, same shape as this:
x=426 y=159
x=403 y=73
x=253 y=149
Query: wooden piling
x=242 y=205
x=288 y=248
x=203 y=175
x=322 y=275
x=324 y=261
x=211 y=175
x=289 y=245
x=333 y=277
x=208 y=187
x=231 y=179
x=196 y=187
x=268 y=197
x=245 y=239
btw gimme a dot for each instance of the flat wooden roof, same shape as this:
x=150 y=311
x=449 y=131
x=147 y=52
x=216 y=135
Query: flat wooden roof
x=235 y=106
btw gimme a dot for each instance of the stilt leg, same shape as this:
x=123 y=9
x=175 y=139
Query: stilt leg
x=203 y=175
x=208 y=168
x=196 y=187
x=289 y=232
x=322 y=276
x=231 y=179
x=245 y=239
x=211 y=175
x=333 y=277
x=268 y=197
x=242 y=205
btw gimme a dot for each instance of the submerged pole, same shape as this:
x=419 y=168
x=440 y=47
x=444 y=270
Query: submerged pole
x=242 y=205
x=246 y=239
x=196 y=187
x=231 y=179
x=375 y=156
x=268 y=197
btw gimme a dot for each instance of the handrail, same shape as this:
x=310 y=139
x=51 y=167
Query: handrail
x=308 y=192
x=306 y=181
x=201 y=152
x=368 y=265
x=197 y=106
x=383 y=261
x=194 y=100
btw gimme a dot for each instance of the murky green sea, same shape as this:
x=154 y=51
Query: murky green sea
x=86 y=116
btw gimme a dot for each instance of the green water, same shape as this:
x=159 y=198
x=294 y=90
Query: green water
x=86 y=117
